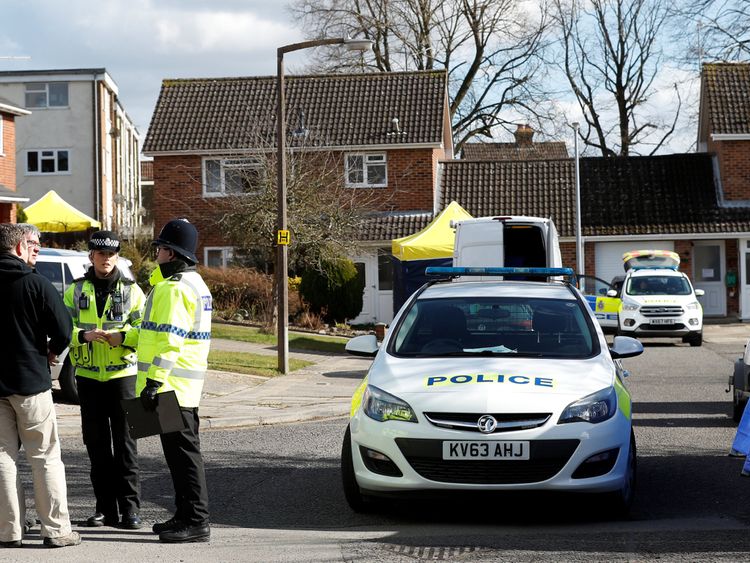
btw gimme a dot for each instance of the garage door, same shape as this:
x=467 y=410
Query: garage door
x=609 y=255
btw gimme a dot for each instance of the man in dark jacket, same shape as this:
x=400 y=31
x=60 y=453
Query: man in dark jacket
x=32 y=313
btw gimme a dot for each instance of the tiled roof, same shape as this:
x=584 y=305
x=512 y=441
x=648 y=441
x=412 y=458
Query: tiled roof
x=727 y=97
x=389 y=226
x=671 y=194
x=215 y=114
x=539 y=188
x=512 y=151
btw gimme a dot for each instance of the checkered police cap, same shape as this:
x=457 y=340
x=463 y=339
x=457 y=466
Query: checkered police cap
x=104 y=240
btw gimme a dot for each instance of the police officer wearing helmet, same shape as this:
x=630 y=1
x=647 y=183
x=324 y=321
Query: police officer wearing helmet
x=175 y=337
x=107 y=310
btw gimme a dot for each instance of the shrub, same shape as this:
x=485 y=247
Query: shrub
x=245 y=292
x=140 y=252
x=335 y=292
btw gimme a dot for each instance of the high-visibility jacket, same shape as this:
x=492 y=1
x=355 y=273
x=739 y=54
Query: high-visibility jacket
x=123 y=312
x=175 y=336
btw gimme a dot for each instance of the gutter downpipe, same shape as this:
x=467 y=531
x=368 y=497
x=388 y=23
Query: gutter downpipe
x=97 y=176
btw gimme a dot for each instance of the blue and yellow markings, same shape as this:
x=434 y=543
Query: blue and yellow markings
x=471 y=378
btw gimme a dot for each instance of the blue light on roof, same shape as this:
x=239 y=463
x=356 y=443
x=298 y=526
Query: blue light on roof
x=673 y=268
x=468 y=271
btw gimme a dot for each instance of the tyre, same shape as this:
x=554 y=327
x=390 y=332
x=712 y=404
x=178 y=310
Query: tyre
x=696 y=339
x=356 y=500
x=619 y=502
x=68 y=384
x=738 y=408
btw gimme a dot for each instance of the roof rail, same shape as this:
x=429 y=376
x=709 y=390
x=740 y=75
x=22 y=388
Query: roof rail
x=448 y=271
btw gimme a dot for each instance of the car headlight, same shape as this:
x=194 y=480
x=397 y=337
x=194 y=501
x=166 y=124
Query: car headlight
x=597 y=407
x=630 y=306
x=383 y=406
x=694 y=305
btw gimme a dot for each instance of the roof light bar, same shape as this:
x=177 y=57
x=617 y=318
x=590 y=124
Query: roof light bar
x=468 y=271
x=672 y=268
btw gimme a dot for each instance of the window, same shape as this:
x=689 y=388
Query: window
x=232 y=176
x=366 y=170
x=385 y=270
x=47 y=95
x=217 y=257
x=47 y=161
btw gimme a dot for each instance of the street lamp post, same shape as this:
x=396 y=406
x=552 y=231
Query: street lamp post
x=581 y=267
x=282 y=237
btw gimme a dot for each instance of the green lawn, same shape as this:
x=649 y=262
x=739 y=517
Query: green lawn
x=252 y=364
x=297 y=341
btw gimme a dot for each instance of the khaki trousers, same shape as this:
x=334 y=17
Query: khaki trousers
x=32 y=419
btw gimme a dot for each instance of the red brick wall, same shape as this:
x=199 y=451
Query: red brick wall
x=734 y=167
x=178 y=190
x=8 y=157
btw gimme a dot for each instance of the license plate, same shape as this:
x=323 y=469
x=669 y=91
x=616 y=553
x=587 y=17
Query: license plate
x=466 y=449
x=661 y=321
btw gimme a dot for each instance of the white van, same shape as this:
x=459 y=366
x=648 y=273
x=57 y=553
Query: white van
x=61 y=267
x=510 y=241
x=658 y=299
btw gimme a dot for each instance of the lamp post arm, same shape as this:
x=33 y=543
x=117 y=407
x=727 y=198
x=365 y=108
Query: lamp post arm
x=281 y=51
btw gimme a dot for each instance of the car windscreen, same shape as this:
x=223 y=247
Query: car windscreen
x=490 y=326
x=658 y=285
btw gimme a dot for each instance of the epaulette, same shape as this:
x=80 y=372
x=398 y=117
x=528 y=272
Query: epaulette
x=176 y=277
x=127 y=281
x=82 y=278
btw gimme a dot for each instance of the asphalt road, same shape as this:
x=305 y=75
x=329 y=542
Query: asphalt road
x=276 y=496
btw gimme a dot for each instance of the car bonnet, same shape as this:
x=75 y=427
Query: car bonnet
x=451 y=384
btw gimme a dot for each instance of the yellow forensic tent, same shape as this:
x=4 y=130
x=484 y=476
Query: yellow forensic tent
x=435 y=240
x=52 y=214
x=432 y=246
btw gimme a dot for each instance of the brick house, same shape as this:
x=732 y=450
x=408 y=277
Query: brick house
x=9 y=198
x=386 y=132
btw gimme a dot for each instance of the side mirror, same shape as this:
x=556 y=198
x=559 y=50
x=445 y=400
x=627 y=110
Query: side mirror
x=699 y=293
x=366 y=345
x=626 y=347
x=612 y=293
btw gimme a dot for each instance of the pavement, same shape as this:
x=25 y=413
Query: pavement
x=320 y=391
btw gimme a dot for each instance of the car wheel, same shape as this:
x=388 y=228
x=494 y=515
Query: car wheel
x=696 y=339
x=68 y=384
x=620 y=501
x=738 y=408
x=356 y=500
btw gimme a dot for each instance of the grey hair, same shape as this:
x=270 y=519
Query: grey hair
x=29 y=229
x=10 y=236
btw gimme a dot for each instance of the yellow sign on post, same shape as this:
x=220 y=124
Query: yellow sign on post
x=283 y=237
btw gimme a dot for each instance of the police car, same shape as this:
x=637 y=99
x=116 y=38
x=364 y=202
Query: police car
x=464 y=394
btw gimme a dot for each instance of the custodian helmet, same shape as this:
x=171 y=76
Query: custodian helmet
x=181 y=236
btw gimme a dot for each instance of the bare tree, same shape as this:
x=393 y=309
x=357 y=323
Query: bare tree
x=717 y=29
x=491 y=49
x=611 y=56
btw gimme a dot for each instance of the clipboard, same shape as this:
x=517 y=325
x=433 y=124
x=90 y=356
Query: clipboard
x=167 y=416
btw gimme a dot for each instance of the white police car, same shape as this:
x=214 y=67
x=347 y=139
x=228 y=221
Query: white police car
x=492 y=385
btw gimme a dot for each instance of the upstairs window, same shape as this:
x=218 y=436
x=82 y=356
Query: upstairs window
x=366 y=171
x=47 y=95
x=232 y=176
x=48 y=161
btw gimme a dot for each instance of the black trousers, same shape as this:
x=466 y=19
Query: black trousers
x=182 y=451
x=113 y=453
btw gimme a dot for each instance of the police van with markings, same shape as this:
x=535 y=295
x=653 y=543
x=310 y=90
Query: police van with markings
x=501 y=384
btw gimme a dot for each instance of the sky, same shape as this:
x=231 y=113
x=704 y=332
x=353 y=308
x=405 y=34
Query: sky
x=142 y=42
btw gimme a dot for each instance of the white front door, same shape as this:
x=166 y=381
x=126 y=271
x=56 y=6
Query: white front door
x=367 y=271
x=377 y=299
x=744 y=281
x=708 y=275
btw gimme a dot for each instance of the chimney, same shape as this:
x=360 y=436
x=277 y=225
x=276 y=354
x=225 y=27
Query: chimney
x=524 y=135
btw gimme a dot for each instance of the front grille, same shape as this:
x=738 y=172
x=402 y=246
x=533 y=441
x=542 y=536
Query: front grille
x=546 y=459
x=661 y=311
x=651 y=327
x=506 y=422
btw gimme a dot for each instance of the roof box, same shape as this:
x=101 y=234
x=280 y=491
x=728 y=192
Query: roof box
x=639 y=259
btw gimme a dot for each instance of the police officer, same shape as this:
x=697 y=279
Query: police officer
x=175 y=337
x=107 y=310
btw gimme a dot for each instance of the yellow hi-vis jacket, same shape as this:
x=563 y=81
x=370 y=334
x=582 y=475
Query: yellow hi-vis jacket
x=99 y=360
x=175 y=336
